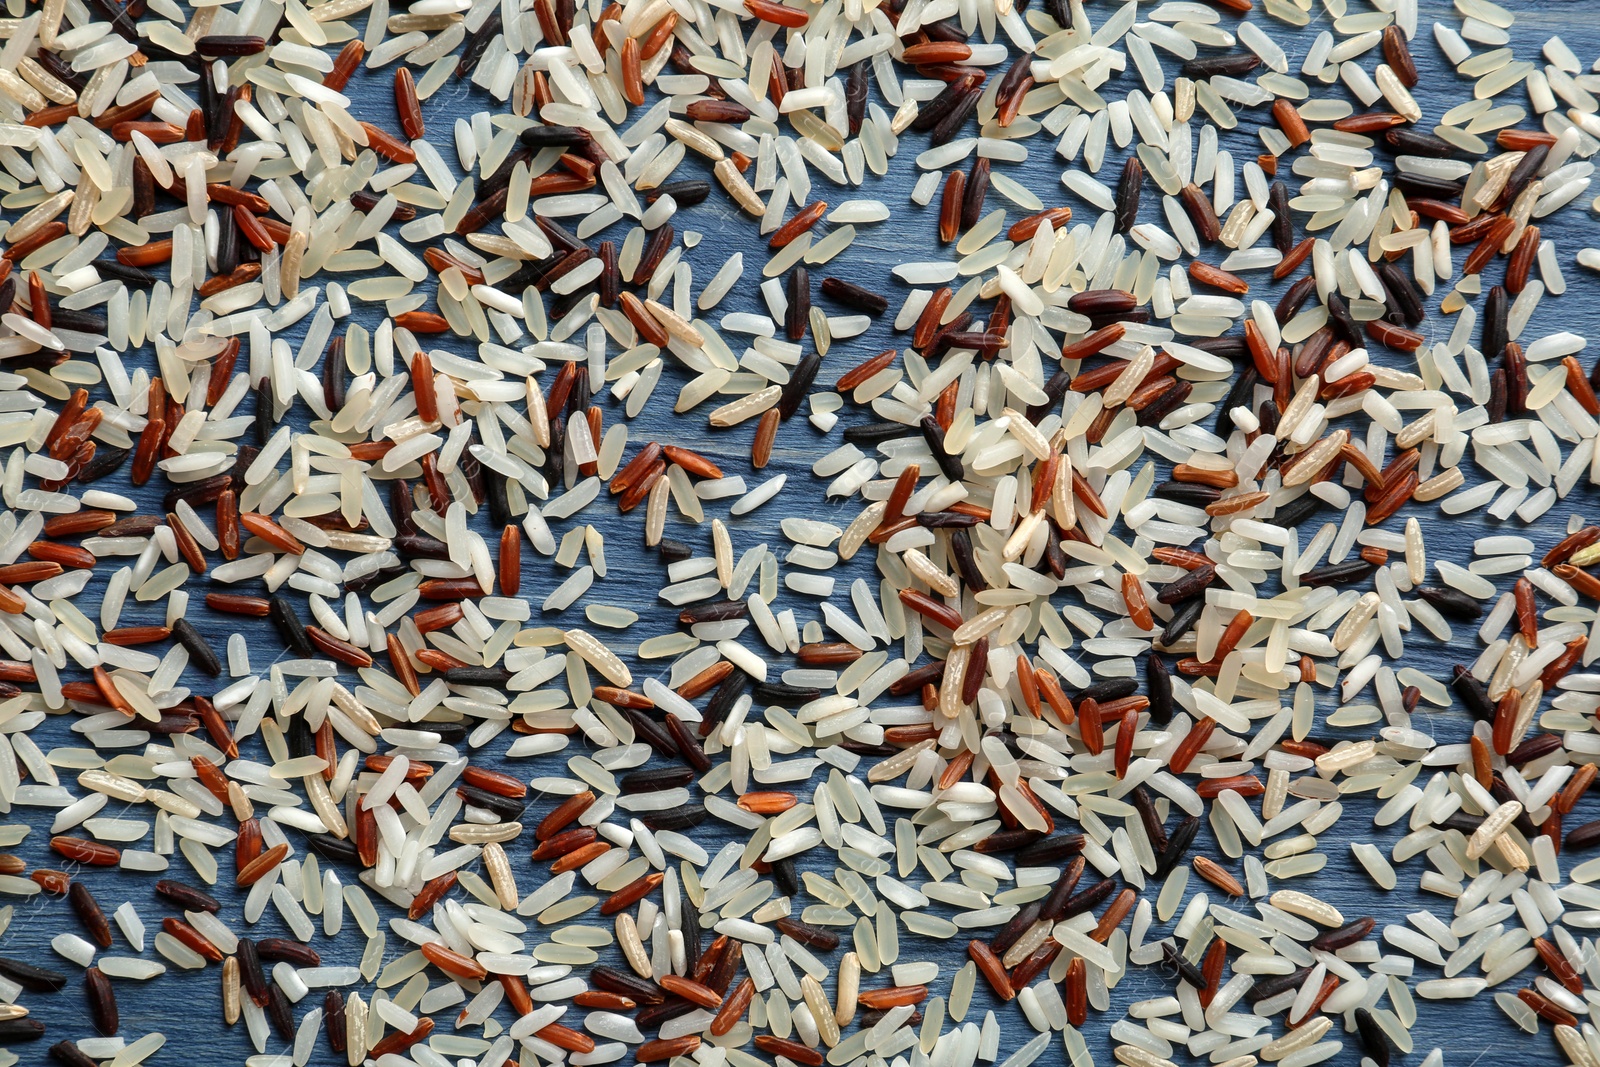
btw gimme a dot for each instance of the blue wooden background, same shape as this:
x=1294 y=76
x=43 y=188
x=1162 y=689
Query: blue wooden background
x=186 y=1006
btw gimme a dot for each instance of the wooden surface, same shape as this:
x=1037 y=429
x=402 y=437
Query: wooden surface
x=186 y=1006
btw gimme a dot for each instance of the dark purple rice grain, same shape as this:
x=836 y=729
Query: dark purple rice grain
x=509 y=809
x=203 y=492
x=686 y=193
x=1294 y=299
x=1185 y=970
x=1092 y=302
x=1424 y=186
x=947 y=520
x=689 y=746
x=976 y=192
x=1297 y=511
x=1273 y=984
x=499 y=182
x=481 y=676
x=477 y=41
x=62 y=70
x=68 y=1053
x=693 y=937
x=1014 y=76
x=1239 y=395
x=611 y=980
x=1534 y=748
x=1150 y=818
x=1233 y=348
x=216 y=44
x=966 y=562
x=726 y=696
x=15 y=1031
x=714 y=611
x=494 y=496
x=555 y=460
x=1184 y=616
x=265 y=417
x=1191 y=584
x=657 y=243
x=421 y=546
x=1405 y=298
x=1452 y=603
x=1054 y=908
x=610 y=276
x=333 y=1020
x=854 y=296
x=935 y=110
x=949 y=465
x=875 y=433
x=657 y=1015
x=1192 y=493
x=1165 y=404
x=652 y=733
x=280 y=1013
x=947 y=128
x=134 y=277
x=784 y=694
x=89 y=913
x=1472 y=694
x=1343 y=324
x=655 y=780
x=673 y=550
x=550 y=136
x=1282 y=225
x=1107 y=690
x=1012 y=931
x=1197 y=205
x=806 y=934
x=1178 y=843
x=1417 y=143
x=1236 y=65
x=563 y=239
x=1351 y=570
x=1129 y=186
x=289 y=627
x=786 y=876
x=29 y=977
x=132 y=526
x=1373 y=1039
x=867 y=751
x=281 y=949
x=333 y=848
x=855 y=95
x=251 y=977
x=102 y=1001
x=721 y=976
x=228 y=246
x=1527 y=168
x=797 y=316
x=1091 y=898
x=1344 y=936
x=200 y=653
x=800 y=380
x=1496 y=311
x=106 y=462
x=685 y=817
x=187 y=897
x=1496 y=407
